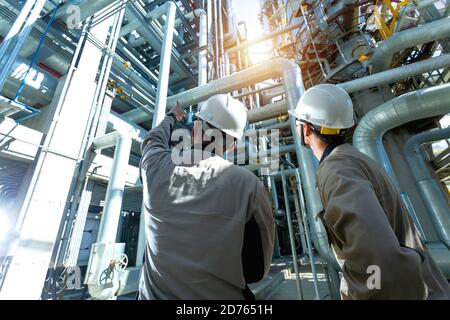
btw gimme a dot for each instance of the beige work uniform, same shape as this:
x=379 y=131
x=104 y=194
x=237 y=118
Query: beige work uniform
x=195 y=220
x=370 y=228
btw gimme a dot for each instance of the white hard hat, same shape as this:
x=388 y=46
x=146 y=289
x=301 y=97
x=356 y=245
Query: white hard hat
x=226 y=114
x=327 y=106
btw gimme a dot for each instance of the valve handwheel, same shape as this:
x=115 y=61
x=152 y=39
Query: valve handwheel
x=122 y=263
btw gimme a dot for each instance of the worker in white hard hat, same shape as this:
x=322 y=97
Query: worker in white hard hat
x=370 y=231
x=209 y=224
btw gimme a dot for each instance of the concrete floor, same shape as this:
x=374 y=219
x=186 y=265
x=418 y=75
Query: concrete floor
x=281 y=282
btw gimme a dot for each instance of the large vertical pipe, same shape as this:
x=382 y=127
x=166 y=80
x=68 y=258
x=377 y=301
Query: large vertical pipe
x=203 y=58
x=220 y=54
x=116 y=186
x=164 y=68
x=209 y=8
x=216 y=36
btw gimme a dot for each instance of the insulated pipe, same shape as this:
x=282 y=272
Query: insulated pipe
x=203 y=43
x=258 y=73
x=267 y=112
x=16 y=27
x=429 y=32
x=216 y=38
x=258 y=90
x=40 y=85
x=9 y=49
x=136 y=12
x=397 y=74
x=164 y=67
x=430 y=190
x=221 y=44
x=209 y=9
x=231 y=36
x=116 y=186
x=266 y=37
x=85 y=8
x=421 y=104
x=248 y=44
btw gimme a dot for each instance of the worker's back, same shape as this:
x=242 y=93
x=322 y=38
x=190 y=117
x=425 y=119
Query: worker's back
x=353 y=187
x=195 y=220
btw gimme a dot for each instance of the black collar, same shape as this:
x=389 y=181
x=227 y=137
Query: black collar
x=329 y=149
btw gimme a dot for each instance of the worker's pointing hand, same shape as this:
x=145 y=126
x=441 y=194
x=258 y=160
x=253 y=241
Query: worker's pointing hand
x=179 y=112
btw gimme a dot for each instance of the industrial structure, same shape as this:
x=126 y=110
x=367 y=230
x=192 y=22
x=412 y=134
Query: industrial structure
x=81 y=82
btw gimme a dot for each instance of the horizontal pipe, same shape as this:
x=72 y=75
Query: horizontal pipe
x=258 y=90
x=397 y=74
x=86 y=8
x=265 y=37
x=236 y=81
x=267 y=112
x=429 y=32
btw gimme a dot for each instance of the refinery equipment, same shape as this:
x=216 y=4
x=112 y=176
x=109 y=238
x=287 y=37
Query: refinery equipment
x=82 y=82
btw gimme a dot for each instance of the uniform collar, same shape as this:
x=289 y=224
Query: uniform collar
x=328 y=150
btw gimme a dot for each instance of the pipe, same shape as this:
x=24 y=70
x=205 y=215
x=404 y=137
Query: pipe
x=216 y=38
x=202 y=55
x=136 y=12
x=248 y=44
x=7 y=58
x=16 y=27
x=232 y=35
x=164 y=67
x=265 y=37
x=291 y=235
x=307 y=234
x=114 y=193
x=236 y=81
x=429 y=32
x=40 y=85
x=421 y=104
x=221 y=44
x=85 y=8
x=273 y=86
x=210 y=13
x=267 y=112
x=430 y=190
x=397 y=74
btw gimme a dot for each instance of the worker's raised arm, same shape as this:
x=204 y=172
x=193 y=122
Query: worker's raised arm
x=364 y=237
x=157 y=141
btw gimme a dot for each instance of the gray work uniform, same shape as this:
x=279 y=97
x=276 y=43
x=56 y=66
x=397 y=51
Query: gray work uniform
x=368 y=226
x=195 y=217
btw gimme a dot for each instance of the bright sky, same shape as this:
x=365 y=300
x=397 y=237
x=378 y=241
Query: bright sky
x=248 y=11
